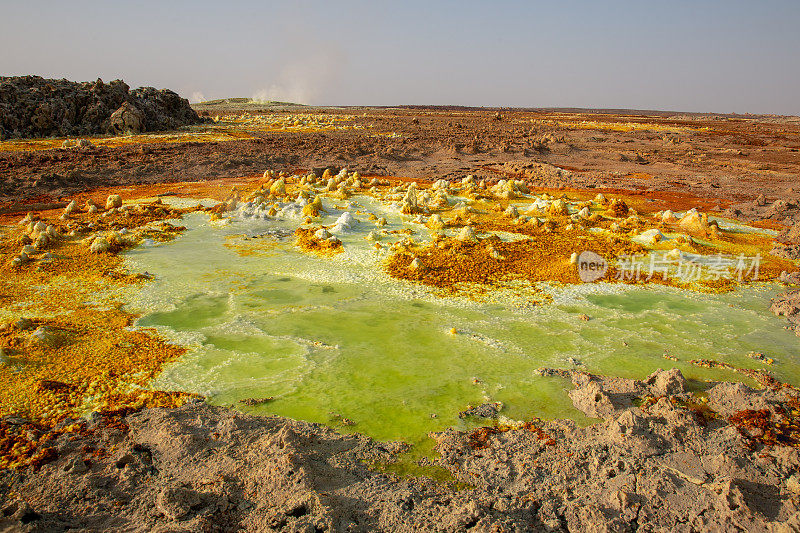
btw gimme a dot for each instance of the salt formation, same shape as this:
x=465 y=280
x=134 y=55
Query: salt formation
x=440 y=185
x=440 y=200
x=380 y=222
x=668 y=216
x=558 y=208
x=410 y=205
x=436 y=222
x=509 y=189
x=99 y=245
x=632 y=221
x=41 y=241
x=344 y=223
x=114 y=201
x=322 y=234
x=71 y=207
x=342 y=192
x=314 y=208
x=538 y=206
x=511 y=212
x=467 y=234
x=39 y=235
x=346 y=219
x=693 y=221
x=278 y=188
x=617 y=208
x=287 y=211
x=651 y=236
x=494 y=254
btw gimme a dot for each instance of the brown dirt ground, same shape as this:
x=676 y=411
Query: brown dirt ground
x=720 y=159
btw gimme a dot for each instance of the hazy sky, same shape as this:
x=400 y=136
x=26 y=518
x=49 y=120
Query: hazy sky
x=698 y=55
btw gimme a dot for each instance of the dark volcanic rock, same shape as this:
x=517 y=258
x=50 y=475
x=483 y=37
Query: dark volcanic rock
x=31 y=106
x=127 y=119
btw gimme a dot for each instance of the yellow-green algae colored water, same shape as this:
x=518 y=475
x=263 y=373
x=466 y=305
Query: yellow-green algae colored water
x=335 y=338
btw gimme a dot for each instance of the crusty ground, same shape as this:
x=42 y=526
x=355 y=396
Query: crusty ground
x=93 y=359
x=661 y=459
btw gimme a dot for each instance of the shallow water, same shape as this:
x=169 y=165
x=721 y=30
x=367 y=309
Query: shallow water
x=334 y=338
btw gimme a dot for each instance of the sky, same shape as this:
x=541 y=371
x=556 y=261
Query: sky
x=723 y=56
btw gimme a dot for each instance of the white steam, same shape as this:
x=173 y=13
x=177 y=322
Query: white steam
x=197 y=97
x=304 y=81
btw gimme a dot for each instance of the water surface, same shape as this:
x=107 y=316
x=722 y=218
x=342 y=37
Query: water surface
x=335 y=338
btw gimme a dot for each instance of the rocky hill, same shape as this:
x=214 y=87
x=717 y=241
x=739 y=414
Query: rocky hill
x=31 y=106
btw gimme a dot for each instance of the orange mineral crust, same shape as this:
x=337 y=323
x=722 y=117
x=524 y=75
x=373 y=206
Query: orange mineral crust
x=67 y=347
x=448 y=263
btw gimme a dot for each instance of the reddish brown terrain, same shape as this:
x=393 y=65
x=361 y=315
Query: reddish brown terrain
x=724 y=159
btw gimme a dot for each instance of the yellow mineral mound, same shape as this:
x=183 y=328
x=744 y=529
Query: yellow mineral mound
x=694 y=222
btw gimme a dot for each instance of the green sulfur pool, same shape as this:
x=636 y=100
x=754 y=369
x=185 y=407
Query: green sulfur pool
x=334 y=338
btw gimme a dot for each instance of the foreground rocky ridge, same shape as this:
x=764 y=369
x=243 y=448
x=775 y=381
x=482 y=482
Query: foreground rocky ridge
x=31 y=106
x=659 y=460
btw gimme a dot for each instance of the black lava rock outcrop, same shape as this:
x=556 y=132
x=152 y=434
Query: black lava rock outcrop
x=31 y=106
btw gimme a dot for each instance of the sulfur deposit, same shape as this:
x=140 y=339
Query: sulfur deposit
x=449 y=237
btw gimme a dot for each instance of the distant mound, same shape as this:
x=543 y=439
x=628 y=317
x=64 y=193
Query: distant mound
x=220 y=101
x=239 y=105
x=32 y=106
